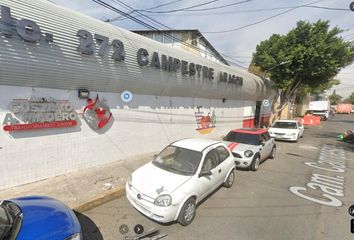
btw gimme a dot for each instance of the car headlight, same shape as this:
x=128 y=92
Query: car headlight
x=130 y=178
x=248 y=153
x=164 y=200
x=76 y=236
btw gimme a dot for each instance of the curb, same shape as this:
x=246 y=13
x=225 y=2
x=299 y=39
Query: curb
x=100 y=199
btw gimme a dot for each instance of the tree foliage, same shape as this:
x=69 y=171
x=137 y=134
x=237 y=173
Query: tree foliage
x=314 y=54
x=350 y=99
x=334 y=98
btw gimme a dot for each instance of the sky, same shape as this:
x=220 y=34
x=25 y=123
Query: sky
x=258 y=20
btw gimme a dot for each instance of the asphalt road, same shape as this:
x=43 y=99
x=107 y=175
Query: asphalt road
x=260 y=204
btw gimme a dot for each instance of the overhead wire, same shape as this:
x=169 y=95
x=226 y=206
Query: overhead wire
x=102 y=3
x=182 y=9
x=260 y=21
x=154 y=7
x=179 y=40
x=204 y=9
x=151 y=20
x=162 y=5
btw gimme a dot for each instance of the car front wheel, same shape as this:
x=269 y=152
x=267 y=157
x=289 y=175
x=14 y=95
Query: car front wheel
x=255 y=163
x=230 y=179
x=187 y=213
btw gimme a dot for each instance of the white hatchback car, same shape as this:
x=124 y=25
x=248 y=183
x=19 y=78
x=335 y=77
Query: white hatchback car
x=289 y=130
x=170 y=187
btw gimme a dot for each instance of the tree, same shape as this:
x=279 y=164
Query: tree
x=315 y=54
x=350 y=99
x=334 y=98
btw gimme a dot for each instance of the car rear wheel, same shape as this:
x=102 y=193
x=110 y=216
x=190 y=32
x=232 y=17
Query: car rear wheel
x=230 y=179
x=187 y=213
x=273 y=153
x=255 y=163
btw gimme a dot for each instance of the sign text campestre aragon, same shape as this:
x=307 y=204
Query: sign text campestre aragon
x=30 y=31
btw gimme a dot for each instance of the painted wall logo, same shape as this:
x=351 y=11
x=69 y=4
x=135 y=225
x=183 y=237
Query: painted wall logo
x=39 y=113
x=205 y=122
x=97 y=113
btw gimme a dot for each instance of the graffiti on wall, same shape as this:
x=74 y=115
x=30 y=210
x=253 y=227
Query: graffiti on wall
x=97 y=114
x=205 y=120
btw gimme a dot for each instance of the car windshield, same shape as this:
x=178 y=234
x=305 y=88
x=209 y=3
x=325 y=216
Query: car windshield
x=178 y=160
x=287 y=125
x=246 y=138
x=10 y=220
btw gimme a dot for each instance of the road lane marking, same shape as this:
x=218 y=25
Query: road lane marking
x=325 y=188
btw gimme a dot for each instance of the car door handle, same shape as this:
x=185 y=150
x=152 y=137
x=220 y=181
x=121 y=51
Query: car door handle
x=219 y=170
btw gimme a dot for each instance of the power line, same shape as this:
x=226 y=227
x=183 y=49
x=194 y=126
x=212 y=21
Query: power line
x=217 y=7
x=232 y=4
x=223 y=13
x=150 y=8
x=261 y=21
x=235 y=62
x=240 y=11
x=158 y=30
x=106 y=5
x=102 y=3
x=147 y=17
x=259 y=10
x=329 y=8
x=162 y=5
x=182 y=9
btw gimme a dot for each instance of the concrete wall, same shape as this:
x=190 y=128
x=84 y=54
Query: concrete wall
x=144 y=125
x=162 y=110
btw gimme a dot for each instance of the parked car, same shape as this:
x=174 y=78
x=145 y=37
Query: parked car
x=39 y=218
x=250 y=147
x=185 y=172
x=289 y=130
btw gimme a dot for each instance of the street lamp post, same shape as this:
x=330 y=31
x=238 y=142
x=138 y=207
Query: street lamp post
x=277 y=65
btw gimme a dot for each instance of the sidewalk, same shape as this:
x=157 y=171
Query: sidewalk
x=84 y=189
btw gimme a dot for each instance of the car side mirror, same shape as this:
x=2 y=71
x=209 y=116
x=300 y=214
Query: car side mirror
x=263 y=143
x=155 y=156
x=204 y=173
x=222 y=137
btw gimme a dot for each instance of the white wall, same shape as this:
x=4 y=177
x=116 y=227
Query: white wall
x=144 y=125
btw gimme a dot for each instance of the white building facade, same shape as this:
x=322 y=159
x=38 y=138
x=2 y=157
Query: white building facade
x=142 y=94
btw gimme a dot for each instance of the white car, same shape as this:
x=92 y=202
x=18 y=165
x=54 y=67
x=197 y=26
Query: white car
x=289 y=130
x=250 y=147
x=170 y=187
